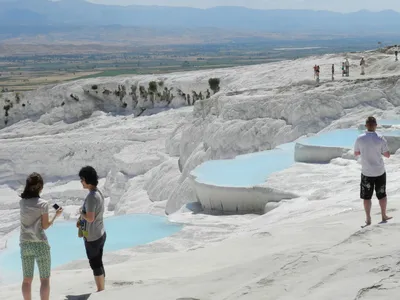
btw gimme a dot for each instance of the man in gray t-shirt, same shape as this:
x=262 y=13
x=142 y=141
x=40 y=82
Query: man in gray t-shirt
x=94 y=203
x=371 y=146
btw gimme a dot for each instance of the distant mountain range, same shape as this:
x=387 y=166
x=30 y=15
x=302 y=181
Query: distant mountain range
x=27 y=13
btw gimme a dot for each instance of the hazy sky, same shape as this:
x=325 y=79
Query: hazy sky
x=334 y=5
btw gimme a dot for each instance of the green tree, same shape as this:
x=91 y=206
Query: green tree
x=214 y=84
x=153 y=86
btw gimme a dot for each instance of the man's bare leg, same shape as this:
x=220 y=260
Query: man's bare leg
x=100 y=282
x=383 y=205
x=367 y=208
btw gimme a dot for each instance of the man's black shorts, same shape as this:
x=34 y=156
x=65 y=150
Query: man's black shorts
x=94 y=252
x=368 y=184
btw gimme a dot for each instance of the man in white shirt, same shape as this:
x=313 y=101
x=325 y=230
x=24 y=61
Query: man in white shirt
x=371 y=146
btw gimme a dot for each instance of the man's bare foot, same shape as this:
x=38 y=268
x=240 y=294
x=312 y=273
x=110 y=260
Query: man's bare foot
x=386 y=218
x=366 y=224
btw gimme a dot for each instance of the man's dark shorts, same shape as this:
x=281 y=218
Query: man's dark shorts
x=94 y=252
x=368 y=184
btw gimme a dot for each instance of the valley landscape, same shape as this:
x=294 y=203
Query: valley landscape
x=47 y=42
x=28 y=66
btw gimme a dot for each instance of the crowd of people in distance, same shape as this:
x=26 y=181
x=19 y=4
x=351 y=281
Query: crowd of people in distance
x=346 y=67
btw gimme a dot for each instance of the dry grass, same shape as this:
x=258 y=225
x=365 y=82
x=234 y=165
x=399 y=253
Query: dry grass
x=29 y=81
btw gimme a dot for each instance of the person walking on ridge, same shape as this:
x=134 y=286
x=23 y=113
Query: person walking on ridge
x=347 y=65
x=371 y=146
x=317 y=73
x=362 y=64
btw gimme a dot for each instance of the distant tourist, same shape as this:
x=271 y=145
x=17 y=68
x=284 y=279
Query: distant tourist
x=333 y=72
x=34 y=215
x=91 y=225
x=362 y=64
x=347 y=65
x=371 y=146
x=396 y=53
x=315 y=71
x=343 y=69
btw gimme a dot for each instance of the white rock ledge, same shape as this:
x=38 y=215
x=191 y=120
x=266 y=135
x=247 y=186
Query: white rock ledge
x=234 y=200
x=317 y=154
x=393 y=143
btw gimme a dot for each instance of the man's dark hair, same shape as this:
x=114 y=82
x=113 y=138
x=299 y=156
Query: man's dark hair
x=370 y=121
x=89 y=174
x=371 y=124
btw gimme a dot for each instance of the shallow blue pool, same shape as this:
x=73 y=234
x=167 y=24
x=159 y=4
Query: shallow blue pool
x=245 y=170
x=122 y=232
x=388 y=122
x=336 y=138
x=340 y=138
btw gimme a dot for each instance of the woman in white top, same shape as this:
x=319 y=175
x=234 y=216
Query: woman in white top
x=33 y=240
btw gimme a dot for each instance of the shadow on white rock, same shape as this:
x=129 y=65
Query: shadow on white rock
x=161 y=181
x=115 y=186
x=182 y=195
x=138 y=158
x=135 y=199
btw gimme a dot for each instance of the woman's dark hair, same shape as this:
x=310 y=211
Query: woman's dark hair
x=89 y=174
x=33 y=186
